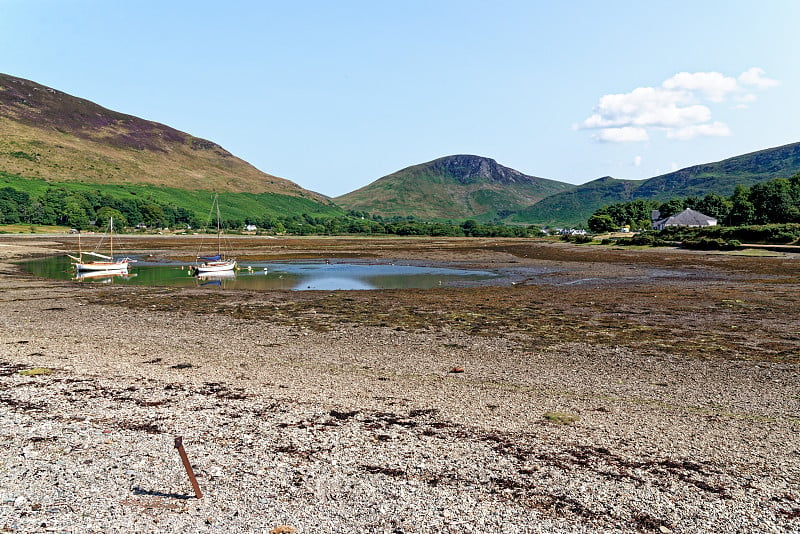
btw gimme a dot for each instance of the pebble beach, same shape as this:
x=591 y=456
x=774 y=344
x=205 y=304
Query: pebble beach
x=377 y=428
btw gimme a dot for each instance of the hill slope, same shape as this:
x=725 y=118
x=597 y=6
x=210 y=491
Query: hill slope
x=48 y=134
x=453 y=187
x=722 y=177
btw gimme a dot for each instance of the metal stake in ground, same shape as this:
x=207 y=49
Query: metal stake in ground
x=188 y=466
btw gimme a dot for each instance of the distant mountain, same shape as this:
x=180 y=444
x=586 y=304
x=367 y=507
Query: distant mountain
x=574 y=207
x=452 y=188
x=48 y=134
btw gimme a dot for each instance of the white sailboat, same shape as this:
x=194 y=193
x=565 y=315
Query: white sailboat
x=107 y=263
x=217 y=264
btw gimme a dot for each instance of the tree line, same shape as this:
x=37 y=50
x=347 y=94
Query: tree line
x=84 y=210
x=773 y=202
x=92 y=210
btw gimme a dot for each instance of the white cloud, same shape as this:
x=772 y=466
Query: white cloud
x=637 y=161
x=676 y=107
x=646 y=107
x=715 y=129
x=713 y=85
x=755 y=77
x=626 y=134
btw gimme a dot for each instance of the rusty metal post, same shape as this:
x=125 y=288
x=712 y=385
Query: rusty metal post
x=188 y=466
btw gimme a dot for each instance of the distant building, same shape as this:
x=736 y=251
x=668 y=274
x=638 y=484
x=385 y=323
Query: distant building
x=687 y=217
x=571 y=231
x=250 y=228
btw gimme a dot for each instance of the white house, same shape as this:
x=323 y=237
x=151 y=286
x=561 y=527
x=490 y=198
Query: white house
x=687 y=217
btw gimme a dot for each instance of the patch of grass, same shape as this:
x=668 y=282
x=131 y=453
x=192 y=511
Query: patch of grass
x=32 y=229
x=36 y=371
x=753 y=252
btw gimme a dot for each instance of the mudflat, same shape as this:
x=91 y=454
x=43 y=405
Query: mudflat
x=591 y=389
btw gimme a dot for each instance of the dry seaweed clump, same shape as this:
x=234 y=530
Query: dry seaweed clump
x=36 y=371
x=561 y=418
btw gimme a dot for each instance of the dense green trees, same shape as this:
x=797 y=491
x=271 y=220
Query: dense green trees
x=58 y=206
x=635 y=215
x=773 y=202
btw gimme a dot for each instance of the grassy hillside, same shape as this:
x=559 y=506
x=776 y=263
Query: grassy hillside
x=51 y=135
x=232 y=205
x=573 y=208
x=723 y=176
x=452 y=188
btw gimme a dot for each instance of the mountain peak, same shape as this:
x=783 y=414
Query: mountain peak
x=467 y=168
x=453 y=187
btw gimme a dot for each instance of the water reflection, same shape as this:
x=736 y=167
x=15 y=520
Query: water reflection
x=305 y=275
x=103 y=277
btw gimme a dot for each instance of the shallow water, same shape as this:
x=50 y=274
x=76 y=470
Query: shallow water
x=300 y=275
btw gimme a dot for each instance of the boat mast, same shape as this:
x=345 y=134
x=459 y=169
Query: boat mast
x=111 y=236
x=219 y=230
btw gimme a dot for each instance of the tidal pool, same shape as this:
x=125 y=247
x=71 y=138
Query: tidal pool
x=300 y=275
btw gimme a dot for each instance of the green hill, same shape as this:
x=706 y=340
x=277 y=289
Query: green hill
x=452 y=188
x=570 y=208
x=48 y=137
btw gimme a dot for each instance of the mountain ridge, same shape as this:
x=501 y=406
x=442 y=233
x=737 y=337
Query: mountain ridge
x=46 y=133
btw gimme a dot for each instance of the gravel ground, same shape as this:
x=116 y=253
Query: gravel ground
x=365 y=428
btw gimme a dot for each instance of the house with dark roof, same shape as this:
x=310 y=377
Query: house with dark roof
x=687 y=217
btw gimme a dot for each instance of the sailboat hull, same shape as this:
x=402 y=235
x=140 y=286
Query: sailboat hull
x=215 y=266
x=110 y=266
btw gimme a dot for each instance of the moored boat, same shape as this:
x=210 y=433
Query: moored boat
x=107 y=263
x=217 y=263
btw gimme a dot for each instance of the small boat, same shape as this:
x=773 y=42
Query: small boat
x=107 y=263
x=217 y=263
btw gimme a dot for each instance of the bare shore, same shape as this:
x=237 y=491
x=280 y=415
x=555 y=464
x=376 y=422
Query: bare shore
x=599 y=390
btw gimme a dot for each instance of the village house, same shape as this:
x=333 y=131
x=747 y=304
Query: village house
x=687 y=217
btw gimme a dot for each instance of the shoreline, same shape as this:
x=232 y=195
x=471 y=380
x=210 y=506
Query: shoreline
x=330 y=411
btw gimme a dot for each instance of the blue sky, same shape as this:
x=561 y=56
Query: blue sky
x=334 y=95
